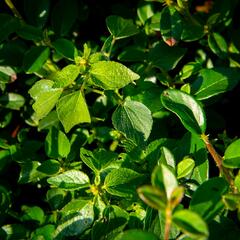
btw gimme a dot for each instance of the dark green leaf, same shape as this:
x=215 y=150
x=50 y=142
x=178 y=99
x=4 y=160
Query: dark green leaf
x=13 y=231
x=8 y=25
x=70 y=180
x=153 y=197
x=134 y=234
x=29 y=32
x=214 y=81
x=111 y=75
x=134 y=120
x=191 y=224
x=207 y=199
x=34 y=58
x=65 y=77
x=232 y=155
x=49 y=167
x=218 y=45
x=164 y=57
x=45 y=97
x=170 y=25
x=65 y=47
x=113 y=222
x=12 y=101
x=120 y=27
x=122 y=182
x=186 y=108
x=64 y=15
x=191 y=31
x=29 y=172
x=72 y=110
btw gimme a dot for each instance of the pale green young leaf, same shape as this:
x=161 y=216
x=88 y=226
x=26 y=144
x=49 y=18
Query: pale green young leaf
x=65 y=77
x=111 y=75
x=164 y=178
x=186 y=108
x=45 y=97
x=134 y=120
x=72 y=110
x=185 y=167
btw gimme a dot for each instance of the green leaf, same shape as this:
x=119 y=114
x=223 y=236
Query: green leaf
x=122 y=182
x=12 y=101
x=145 y=11
x=111 y=75
x=164 y=57
x=65 y=77
x=134 y=234
x=113 y=222
x=191 y=224
x=33 y=214
x=65 y=48
x=72 y=110
x=13 y=231
x=34 y=58
x=214 y=81
x=191 y=31
x=167 y=158
x=170 y=25
x=232 y=155
x=218 y=45
x=8 y=25
x=120 y=27
x=37 y=12
x=153 y=197
x=46 y=232
x=49 y=167
x=134 y=120
x=164 y=178
x=29 y=172
x=207 y=199
x=186 y=108
x=70 y=180
x=76 y=223
x=29 y=32
x=49 y=121
x=97 y=160
x=185 y=167
x=45 y=97
x=64 y=15
x=132 y=54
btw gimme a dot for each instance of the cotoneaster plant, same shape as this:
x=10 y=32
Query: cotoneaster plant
x=118 y=135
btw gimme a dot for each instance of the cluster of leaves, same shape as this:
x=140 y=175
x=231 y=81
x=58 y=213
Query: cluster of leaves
x=108 y=138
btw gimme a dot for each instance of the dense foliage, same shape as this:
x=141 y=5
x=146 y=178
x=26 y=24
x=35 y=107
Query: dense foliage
x=118 y=120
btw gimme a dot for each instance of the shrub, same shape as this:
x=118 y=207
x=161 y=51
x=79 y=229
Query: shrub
x=118 y=121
